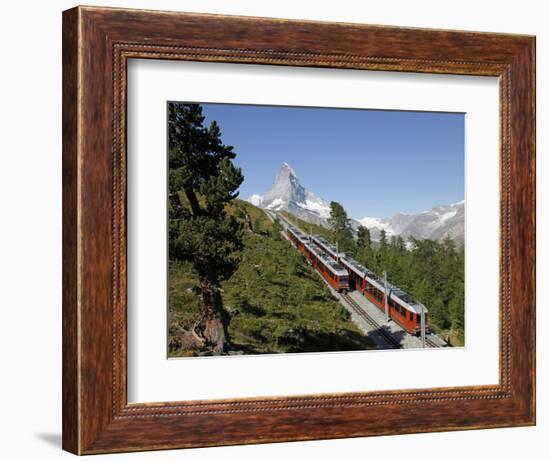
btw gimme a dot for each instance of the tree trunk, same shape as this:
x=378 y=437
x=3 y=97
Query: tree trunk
x=211 y=326
x=193 y=201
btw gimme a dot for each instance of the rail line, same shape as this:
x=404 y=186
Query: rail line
x=430 y=343
x=394 y=344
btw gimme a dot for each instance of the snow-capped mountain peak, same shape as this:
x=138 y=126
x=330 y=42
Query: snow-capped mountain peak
x=288 y=194
x=287 y=167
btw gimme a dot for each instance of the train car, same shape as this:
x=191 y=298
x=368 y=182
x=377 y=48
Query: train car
x=327 y=247
x=335 y=274
x=298 y=238
x=402 y=307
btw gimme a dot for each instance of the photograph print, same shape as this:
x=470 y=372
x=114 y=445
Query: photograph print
x=305 y=229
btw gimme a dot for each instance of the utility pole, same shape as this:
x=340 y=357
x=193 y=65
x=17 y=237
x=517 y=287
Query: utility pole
x=386 y=296
x=423 y=326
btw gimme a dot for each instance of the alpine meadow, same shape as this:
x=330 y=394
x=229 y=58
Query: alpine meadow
x=260 y=264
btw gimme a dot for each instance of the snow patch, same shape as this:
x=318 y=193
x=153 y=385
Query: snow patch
x=276 y=204
x=446 y=216
x=255 y=199
x=319 y=207
x=377 y=223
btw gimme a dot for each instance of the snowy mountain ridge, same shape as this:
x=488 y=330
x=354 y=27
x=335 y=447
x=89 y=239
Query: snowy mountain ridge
x=286 y=193
x=437 y=223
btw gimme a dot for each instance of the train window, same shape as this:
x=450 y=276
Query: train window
x=411 y=316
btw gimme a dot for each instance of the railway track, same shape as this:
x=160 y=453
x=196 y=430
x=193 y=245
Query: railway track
x=393 y=343
x=430 y=343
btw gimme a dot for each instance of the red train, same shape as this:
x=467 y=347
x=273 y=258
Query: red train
x=334 y=273
x=402 y=307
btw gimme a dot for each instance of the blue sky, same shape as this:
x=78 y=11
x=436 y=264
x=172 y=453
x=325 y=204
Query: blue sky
x=374 y=162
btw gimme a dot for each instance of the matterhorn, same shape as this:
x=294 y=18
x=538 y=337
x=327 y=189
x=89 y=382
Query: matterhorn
x=288 y=194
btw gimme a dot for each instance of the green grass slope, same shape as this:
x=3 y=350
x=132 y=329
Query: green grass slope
x=276 y=301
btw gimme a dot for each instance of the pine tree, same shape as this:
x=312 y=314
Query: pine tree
x=363 y=238
x=341 y=229
x=202 y=180
x=456 y=310
x=383 y=238
x=338 y=219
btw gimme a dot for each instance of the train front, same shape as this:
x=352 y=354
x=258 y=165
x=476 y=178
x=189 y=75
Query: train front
x=421 y=309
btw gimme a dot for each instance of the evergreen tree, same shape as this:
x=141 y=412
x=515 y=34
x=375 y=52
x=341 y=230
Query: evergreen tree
x=341 y=229
x=364 y=245
x=338 y=219
x=363 y=238
x=456 y=310
x=398 y=244
x=383 y=238
x=202 y=180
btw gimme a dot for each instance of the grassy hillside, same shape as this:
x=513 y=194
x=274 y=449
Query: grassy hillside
x=276 y=302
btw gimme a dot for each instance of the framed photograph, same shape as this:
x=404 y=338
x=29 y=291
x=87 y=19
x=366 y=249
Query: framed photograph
x=282 y=230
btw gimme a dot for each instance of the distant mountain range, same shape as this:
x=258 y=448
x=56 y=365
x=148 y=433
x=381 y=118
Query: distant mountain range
x=435 y=224
x=288 y=194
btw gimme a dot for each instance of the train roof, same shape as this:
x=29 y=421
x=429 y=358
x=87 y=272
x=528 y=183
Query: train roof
x=328 y=246
x=362 y=271
x=298 y=234
x=333 y=266
x=396 y=293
